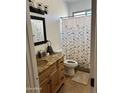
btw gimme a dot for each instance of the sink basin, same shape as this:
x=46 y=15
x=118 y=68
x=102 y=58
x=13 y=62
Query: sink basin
x=42 y=63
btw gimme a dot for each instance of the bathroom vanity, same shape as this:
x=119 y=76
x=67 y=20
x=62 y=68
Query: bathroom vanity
x=51 y=72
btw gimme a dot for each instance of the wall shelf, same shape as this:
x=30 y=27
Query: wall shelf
x=36 y=10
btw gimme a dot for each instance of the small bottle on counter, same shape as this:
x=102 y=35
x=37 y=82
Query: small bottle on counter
x=48 y=54
x=39 y=54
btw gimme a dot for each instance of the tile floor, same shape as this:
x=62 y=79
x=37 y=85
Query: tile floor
x=73 y=87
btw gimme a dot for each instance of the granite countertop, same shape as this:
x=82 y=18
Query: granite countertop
x=45 y=62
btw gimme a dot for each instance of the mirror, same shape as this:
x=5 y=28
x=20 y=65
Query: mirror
x=38 y=30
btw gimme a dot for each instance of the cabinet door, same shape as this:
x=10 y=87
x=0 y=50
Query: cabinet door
x=54 y=81
x=45 y=86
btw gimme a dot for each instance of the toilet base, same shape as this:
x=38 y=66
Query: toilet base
x=69 y=71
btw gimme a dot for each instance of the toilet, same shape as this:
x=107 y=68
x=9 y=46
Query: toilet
x=70 y=67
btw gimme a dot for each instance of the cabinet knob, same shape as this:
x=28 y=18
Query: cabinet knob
x=49 y=82
x=61 y=62
x=62 y=69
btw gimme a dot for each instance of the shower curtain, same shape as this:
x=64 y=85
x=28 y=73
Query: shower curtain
x=75 y=39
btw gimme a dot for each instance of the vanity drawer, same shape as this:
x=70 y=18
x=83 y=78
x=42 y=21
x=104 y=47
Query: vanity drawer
x=47 y=72
x=53 y=68
x=61 y=61
x=43 y=75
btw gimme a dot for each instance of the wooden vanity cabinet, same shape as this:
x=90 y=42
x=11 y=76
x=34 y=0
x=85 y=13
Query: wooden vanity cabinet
x=52 y=79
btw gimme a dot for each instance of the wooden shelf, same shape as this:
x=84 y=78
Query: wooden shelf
x=35 y=10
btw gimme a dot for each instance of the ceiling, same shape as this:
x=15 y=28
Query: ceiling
x=69 y=1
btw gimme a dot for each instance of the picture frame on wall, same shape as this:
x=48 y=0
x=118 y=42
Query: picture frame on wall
x=38 y=30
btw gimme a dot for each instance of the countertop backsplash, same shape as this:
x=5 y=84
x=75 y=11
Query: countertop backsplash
x=42 y=47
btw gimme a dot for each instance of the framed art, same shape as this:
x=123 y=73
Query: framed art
x=38 y=30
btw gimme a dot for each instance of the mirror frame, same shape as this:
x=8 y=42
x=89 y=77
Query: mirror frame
x=44 y=30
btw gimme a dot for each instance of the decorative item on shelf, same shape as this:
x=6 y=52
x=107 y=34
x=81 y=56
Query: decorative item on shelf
x=31 y=4
x=46 y=9
x=40 y=6
x=37 y=7
x=49 y=48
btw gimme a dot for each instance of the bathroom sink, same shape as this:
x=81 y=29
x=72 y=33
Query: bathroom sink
x=42 y=63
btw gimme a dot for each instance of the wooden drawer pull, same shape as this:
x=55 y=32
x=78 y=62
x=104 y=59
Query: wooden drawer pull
x=61 y=62
x=49 y=82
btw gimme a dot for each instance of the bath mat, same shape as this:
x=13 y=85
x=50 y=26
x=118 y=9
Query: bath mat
x=81 y=77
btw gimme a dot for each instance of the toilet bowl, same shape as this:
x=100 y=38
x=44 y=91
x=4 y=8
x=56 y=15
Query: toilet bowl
x=70 y=67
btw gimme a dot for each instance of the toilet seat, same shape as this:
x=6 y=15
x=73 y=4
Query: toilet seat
x=70 y=63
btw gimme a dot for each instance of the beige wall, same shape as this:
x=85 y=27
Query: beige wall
x=56 y=9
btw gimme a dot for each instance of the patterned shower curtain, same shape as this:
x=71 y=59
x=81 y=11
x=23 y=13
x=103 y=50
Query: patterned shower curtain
x=75 y=38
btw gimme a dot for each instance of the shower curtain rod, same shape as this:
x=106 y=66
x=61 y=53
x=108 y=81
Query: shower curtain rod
x=67 y=16
x=76 y=12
